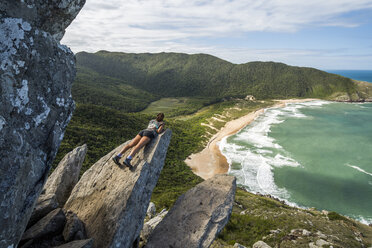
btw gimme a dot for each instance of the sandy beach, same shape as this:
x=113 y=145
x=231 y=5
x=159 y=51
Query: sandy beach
x=210 y=160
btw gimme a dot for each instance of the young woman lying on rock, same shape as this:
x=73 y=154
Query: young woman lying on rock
x=155 y=127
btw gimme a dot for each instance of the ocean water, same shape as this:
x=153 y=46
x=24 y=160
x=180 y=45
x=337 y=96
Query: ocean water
x=362 y=75
x=314 y=154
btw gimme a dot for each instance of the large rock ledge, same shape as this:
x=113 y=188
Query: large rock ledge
x=197 y=216
x=112 y=200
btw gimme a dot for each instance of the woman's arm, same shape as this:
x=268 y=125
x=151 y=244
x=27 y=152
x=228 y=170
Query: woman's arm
x=160 y=129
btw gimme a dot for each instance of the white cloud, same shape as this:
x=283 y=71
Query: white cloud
x=168 y=25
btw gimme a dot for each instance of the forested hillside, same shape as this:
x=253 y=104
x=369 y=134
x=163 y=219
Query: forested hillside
x=110 y=86
x=176 y=74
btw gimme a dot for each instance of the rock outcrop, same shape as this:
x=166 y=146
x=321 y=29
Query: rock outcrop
x=87 y=243
x=56 y=228
x=197 y=216
x=112 y=200
x=36 y=73
x=74 y=228
x=44 y=205
x=59 y=184
x=51 y=224
x=260 y=244
x=66 y=175
x=150 y=225
x=151 y=210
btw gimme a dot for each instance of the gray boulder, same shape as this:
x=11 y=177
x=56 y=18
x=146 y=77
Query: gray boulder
x=51 y=224
x=112 y=200
x=237 y=245
x=197 y=216
x=151 y=210
x=36 y=73
x=44 y=205
x=150 y=225
x=74 y=228
x=260 y=244
x=66 y=175
x=87 y=243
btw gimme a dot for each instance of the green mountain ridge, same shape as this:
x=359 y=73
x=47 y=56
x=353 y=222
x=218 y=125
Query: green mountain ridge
x=183 y=75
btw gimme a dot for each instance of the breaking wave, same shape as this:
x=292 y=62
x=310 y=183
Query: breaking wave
x=252 y=154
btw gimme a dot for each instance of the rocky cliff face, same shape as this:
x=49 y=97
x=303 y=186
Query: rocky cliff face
x=112 y=200
x=36 y=73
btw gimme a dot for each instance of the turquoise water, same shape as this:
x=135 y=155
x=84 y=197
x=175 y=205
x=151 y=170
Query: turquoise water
x=362 y=75
x=314 y=154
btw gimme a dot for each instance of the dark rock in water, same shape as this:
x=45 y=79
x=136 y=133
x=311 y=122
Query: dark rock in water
x=36 y=73
x=88 y=243
x=66 y=175
x=50 y=16
x=197 y=216
x=112 y=200
x=53 y=223
x=74 y=228
x=44 y=205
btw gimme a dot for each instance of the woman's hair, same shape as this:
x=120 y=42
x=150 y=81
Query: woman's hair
x=160 y=117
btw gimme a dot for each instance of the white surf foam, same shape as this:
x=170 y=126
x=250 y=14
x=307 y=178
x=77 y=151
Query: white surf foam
x=363 y=220
x=255 y=172
x=359 y=169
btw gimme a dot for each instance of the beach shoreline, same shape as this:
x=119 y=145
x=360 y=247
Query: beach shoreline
x=210 y=161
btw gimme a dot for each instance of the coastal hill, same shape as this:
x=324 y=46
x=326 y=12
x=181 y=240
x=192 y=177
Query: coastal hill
x=128 y=81
x=108 y=111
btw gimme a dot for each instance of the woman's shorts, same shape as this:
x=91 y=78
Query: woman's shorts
x=147 y=133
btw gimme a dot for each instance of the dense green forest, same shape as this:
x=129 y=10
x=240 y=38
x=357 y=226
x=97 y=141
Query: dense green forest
x=113 y=92
x=177 y=75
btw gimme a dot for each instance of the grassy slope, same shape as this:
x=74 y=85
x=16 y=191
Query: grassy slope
x=255 y=216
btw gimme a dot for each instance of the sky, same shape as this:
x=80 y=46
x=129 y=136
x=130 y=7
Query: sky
x=324 y=34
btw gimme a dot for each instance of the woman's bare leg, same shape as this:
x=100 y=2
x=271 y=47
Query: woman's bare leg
x=143 y=141
x=131 y=144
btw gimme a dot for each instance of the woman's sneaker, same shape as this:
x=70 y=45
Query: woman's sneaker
x=116 y=160
x=127 y=163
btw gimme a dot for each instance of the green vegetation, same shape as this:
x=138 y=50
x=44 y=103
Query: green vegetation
x=182 y=75
x=336 y=216
x=257 y=218
x=193 y=90
x=93 y=88
x=178 y=106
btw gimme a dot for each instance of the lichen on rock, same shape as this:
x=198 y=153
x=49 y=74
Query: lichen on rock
x=35 y=69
